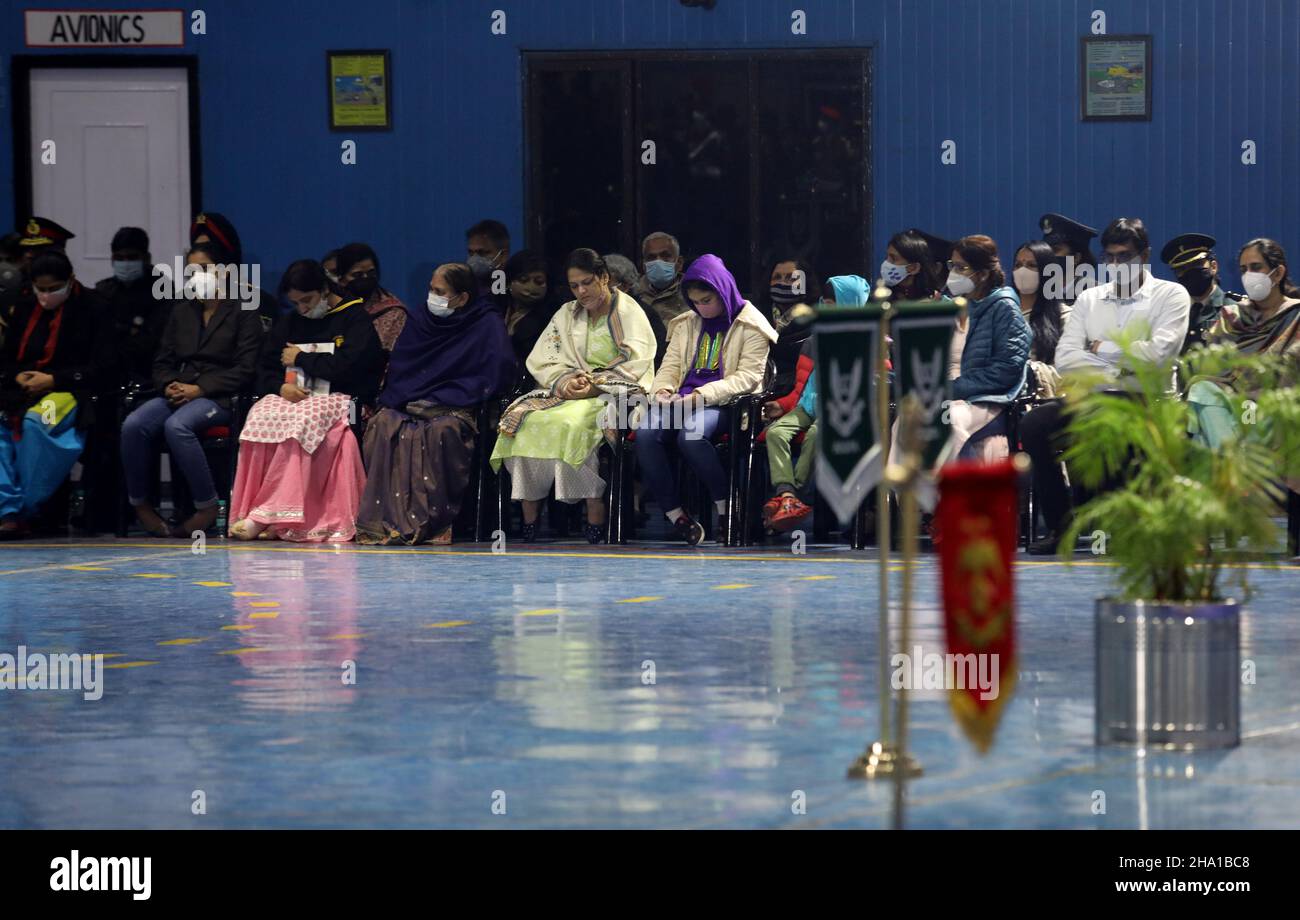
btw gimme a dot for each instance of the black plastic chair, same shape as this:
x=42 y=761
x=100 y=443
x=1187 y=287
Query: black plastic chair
x=220 y=445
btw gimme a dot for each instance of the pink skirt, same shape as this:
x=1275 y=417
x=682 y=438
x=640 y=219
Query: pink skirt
x=304 y=497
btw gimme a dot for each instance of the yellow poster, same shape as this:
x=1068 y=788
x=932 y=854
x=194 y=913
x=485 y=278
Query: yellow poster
x=359 y=90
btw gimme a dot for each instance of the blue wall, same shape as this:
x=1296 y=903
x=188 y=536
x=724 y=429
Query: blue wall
x=999 y=77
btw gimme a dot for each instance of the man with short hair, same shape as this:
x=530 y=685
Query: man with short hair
x=623 y=274
x=136 y=316
x=487 y=247
x=661 y=285
x=1129 y=300
x=1191 y=256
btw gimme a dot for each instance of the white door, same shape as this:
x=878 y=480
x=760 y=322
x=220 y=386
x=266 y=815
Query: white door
x=121 y=152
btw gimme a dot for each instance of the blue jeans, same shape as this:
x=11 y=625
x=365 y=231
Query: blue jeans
x=653 y=438
x=181 y=427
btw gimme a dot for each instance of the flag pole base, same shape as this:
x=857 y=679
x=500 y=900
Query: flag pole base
x=882 y=759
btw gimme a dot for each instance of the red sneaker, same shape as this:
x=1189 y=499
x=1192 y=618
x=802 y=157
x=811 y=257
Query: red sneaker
x=791 y=512
x=772 y=506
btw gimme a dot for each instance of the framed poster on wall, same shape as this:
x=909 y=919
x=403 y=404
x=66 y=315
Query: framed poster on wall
x=360 y=90
x=1115 y=78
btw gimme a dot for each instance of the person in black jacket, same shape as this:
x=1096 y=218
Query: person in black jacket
x=530 y=309
x=300 y=474
x=137 y=316
x=52 y=362
x=208 y=354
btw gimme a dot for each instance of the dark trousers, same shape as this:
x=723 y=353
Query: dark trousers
x=1043 y=437
x=652 y=453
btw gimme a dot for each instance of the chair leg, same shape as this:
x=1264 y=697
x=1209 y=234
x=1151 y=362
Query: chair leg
x=747 y=484
x=614 y=504
x=503 y=501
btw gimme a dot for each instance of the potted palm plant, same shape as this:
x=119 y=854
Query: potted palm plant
x=1179 y=525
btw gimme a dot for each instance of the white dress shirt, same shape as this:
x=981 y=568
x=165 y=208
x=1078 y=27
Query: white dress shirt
x=1100 y=314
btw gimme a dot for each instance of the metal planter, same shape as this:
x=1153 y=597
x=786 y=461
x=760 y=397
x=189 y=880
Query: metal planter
x=1168 y=675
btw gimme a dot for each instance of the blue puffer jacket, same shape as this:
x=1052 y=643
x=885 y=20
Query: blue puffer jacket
x=996 y=355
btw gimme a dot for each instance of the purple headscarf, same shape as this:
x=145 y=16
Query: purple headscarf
x=710 y=270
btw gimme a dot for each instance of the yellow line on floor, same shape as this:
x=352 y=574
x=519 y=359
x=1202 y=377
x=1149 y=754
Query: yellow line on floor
x=264 y=604
x=542 y=612
x=265 y=615
x=214 y=584
x=59 y=566
x=641 y=600
x=150 y=575
x=730 y=587
x=87 y=568
x=239 y=626
x=815 y=577
x=244 y=594
x=348 y=636
x=129 y=664
x=447 y=625
x=243 y=651
x=181 y=641
x=1282 y=564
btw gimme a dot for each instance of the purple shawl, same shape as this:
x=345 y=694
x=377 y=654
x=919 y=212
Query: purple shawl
x=706 y=360
x=459 y=360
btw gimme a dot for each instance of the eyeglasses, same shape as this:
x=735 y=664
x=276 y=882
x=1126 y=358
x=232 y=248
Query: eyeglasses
x=1112 y=258
x=959 y=268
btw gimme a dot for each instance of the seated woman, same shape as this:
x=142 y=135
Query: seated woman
x=1268 y=323
x=358 y=276
x=600 y=341
x=994 y=350
x=1043 y=310
x=208 y=354
x=452 y=356
x=784 y=510
x=530 y=308
x=300 y=475
x=716 y=352
x=56 y=353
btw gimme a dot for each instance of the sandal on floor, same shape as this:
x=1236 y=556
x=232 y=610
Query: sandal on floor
x=243 y=530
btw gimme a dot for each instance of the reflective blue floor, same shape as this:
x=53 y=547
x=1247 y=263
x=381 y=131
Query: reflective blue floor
x=517 y=683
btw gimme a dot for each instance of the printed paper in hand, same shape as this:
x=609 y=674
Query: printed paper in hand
x=311 y=384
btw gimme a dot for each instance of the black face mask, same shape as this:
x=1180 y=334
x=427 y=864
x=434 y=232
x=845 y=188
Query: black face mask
x=1197 y=282
x=784 y=294
x=363 y=286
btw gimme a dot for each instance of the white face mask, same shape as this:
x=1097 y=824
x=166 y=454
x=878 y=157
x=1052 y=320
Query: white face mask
x=322 y=307
x=892 y=274
x=960 y=285
x=1124 y=274
x=202 y=285
x=438 y=305
x=1258 y=285
x=1026 y=280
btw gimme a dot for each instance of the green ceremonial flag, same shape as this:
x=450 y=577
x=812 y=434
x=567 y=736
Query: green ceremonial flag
x=922 y=337
x=848 y=431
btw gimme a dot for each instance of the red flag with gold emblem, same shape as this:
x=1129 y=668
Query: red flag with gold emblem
x=977 y=515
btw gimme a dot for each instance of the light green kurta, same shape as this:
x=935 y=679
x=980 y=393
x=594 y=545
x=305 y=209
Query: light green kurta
x=568 y=431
